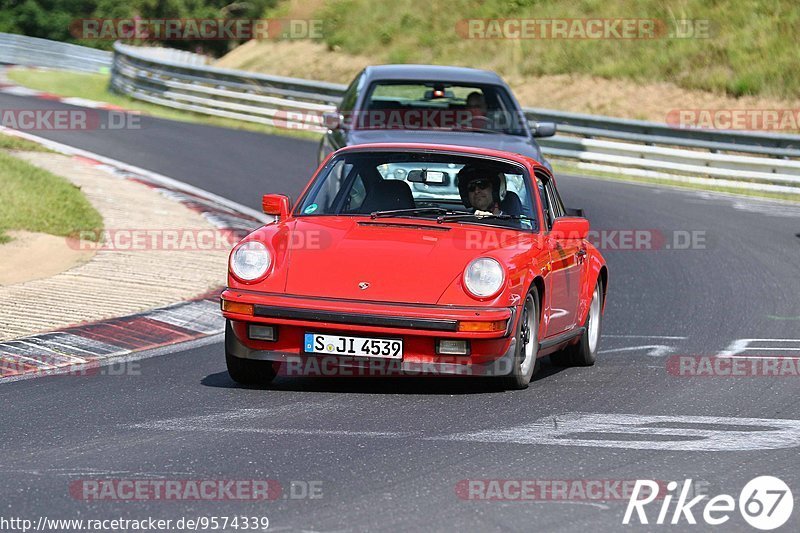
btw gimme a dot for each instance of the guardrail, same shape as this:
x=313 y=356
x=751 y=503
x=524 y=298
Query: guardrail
x=745 y=160
x=34 y=52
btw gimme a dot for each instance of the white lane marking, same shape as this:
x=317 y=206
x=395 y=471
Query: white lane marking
x=740 y=345
x=642 y=337
x=153 y=176
x=20 y=91
x=282 y=431
x=221 y=423
x=654 y=350
x=83 y=102
x=690 y=433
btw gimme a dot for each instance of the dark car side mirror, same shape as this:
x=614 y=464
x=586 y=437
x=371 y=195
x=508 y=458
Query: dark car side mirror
x=275 y=205
x=570 y=228
x=543 y=129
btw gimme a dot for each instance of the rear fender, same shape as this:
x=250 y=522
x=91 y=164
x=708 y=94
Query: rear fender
x=594 y=270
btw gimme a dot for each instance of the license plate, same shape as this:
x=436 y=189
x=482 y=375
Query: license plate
x=353 y=346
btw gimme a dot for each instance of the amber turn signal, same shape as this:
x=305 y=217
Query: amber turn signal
x=237 y=307
x=482 y=326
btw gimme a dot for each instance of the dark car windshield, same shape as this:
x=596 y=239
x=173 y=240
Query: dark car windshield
x=440 y=106
x=423 y=185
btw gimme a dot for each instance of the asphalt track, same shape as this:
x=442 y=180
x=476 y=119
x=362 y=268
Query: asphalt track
x=392 y=454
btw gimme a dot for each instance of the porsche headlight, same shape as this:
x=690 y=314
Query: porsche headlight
x=250 y=261
x=484 y=277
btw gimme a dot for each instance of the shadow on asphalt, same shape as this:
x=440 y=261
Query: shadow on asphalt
x=379 y=385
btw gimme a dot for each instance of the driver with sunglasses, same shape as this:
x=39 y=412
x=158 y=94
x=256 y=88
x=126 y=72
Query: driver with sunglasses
x=480 y=190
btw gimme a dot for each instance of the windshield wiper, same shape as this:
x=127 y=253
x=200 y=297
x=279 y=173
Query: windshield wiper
x=413 y=211
x=447 y=217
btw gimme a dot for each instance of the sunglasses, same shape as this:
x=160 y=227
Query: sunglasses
x=478 y=184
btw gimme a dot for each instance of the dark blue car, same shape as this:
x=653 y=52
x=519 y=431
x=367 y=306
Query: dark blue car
x=432 y=104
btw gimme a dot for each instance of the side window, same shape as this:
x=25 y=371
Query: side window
x=557 y=198
x=548 y=215
x=349 y=99
x=555 y=202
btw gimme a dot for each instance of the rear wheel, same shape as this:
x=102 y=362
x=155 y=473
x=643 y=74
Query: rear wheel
x=246 y=371
x=584 y=353
x=527 y=345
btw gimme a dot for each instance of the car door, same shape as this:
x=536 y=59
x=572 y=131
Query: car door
x=565 y=262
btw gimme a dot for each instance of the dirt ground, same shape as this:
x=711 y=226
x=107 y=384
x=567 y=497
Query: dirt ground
x=31 y=256
x=583 y=94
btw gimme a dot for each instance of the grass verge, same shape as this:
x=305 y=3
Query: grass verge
x=36 y=200
x=95 y=87
x=9 y=142
x=739 y=48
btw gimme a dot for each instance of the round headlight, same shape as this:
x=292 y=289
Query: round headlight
x=250 y=261
x=484 y=277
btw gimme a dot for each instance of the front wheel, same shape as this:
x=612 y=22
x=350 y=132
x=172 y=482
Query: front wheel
x=527 y=345
x=584 y=353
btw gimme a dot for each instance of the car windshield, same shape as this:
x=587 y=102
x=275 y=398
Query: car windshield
x=446 y=187
x=440 y=106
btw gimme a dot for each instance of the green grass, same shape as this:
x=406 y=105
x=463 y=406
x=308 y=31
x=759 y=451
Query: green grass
x=751 y=48
x=9 y=142
x=36 y=200
x=95 y=87
x=561 y=166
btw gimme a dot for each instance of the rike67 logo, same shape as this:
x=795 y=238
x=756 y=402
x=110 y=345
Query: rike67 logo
x=765 y=503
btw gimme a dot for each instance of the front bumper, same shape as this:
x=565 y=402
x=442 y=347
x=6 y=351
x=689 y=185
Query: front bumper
x=420 y=326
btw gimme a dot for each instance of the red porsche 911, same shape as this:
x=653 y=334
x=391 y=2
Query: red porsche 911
x=416 y=259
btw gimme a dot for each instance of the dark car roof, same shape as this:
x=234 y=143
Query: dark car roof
x=430 y=73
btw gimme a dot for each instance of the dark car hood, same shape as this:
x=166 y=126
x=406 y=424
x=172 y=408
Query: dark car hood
x=497 y=141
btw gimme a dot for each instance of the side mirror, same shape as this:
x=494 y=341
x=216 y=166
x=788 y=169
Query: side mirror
x=332 y=120
x=570 y=228
x=276 y=205
x=543 y=129
x=575 y=212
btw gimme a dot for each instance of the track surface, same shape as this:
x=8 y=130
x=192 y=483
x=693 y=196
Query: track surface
x=384 y=450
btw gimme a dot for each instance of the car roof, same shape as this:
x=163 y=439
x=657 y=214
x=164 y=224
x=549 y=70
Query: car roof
x=432 y=73
x=422 y=147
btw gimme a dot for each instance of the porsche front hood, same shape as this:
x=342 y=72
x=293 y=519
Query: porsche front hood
x=390 y=260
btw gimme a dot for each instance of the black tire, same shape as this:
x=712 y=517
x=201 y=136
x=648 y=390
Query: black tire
x=246 y=371
x=526 y=363
x=584 y=352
